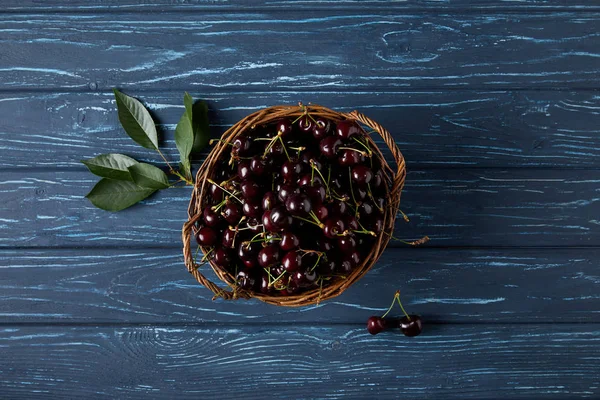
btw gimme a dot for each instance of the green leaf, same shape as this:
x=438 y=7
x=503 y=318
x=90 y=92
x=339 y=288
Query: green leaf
x=112 y=195
x=186 y=168
x=200 y=126
x=148 y=176
x=136 y=121
x=113 y=166
x=184 y=135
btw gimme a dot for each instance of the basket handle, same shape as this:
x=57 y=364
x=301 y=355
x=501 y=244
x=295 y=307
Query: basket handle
x=193 y=268
x=400 y=176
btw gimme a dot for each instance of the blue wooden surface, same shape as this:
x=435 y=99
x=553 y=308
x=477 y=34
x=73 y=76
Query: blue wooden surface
x=494 y=104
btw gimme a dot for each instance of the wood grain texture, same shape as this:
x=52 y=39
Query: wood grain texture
x=470 y=361
x=145 y=6
x=444 y=286
x=454 y=207
x=299 y=51
x=448 y=128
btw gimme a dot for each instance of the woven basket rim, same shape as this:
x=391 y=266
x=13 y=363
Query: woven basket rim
x=394 y=179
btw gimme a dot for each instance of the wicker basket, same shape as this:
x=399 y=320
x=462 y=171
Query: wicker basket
x=395 y=183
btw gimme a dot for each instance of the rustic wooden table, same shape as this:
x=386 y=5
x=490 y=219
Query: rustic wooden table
x=494 y=104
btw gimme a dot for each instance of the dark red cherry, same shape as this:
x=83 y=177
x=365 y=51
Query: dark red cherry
x=258 y=165
x=317 y=193
x=377 y=179
x=362 y=174
x=328 y=267
x=346 y=129
x=244 y=169
x=321 y=128
x=298 y=204
x=276 y=151
x=329 y=146
x=377 y=225
x=206 y=236
x=345 y=267
x=290 y=170
x=310 y=180
x=250 y=189
x=264 y=284
x=289 y=241
x=334 y=226
x=268 y=224
x=210 y=217
x=292 y=288
x=252 y=209
x=248 y=253
x=325 y=245
x=254 y=223
x=269 y=200
x=284 y=126
x=280 y=218
x=285 y=191
x=360 y=193
x=221 y=257
x=245 y=280
x=338 y=208
x=351 y=223
x=321 y=212
x=241 y=146
x=216 y=192
x=269 y=255
x=353 y=257
x=411 y=327
x=305 y=124
x=292 y=261
x=350 y=157
x=366 y=209
x=376 y=325
x=232 y=213
x=228 y=238
x=347 y=243
x=379 y=204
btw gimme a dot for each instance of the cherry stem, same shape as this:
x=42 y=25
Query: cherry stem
x=212 y=141
x=404 y=216
x=284 y=149
x=308 y=220
x=364 y=153
x=317 y=262
x=196 y=255
x=225 y=190
x=397 y=297
x=205 y=257
x=364 y=145
x=314 y=216
x=391 y=305
x=221 y=204
x=314 y=168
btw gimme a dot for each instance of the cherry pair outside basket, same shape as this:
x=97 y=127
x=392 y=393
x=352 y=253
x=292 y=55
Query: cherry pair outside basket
x=394 y=184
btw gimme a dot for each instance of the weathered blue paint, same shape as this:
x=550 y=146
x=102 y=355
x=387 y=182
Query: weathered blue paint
x=495 y=106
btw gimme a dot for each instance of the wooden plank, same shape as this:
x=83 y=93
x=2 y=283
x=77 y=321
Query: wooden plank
x=100 y=6
x=454 y=207
x=443 y=286
x=268 y=50
x=450 y=128
x=328 y=361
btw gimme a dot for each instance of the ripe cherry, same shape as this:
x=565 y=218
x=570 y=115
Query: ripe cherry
x=268 y=224
x=338 y=208
x=250 y=189
x=289 y=241
x=292 y=261
x=216 y=192
x=264 y=284
x=350 y=157
x=347 y=243
x=280 y=218
x=310 y=180
x=287 y=190
x=317 y=193
x=346 y=129
x=290 y=170
x=269 y=255
x=329 y=146
x=232 y=213
x=351 y=222
x=376 y=325
x=258 y=165
x=334 y=226
x=210 y=217
x=228 y=238
x=252 y=209
x=298 y=204
x=321 y=212
x=245 y=280
x=362 y=174
x=305 y=124
x=241 y=146
x=411 y=325
x=206 y=236
x=244 y=169
x=321 y=128
x=221 y=257
x=284 y=127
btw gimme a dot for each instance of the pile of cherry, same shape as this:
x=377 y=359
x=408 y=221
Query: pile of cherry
x=293 y=205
